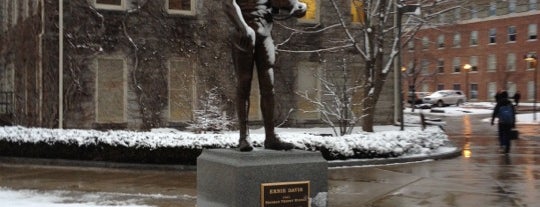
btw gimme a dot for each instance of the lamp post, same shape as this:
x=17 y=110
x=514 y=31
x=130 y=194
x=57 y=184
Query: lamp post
x=466 y=69
x=401 y=9
x=533 y=60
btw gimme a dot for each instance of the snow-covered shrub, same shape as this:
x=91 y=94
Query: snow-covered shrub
x=211 y=117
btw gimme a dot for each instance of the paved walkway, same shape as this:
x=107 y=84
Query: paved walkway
x=481 y=177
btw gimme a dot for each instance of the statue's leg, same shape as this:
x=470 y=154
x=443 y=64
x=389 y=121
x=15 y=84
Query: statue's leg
x=243 y=63
x=264 y=58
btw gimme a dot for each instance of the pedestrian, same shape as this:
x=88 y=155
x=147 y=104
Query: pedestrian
x=498 y=95
x=506 y=115
x=516 y=97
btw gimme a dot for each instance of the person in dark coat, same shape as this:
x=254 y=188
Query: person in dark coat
x=504 y=128
x=498 y=96
x=516 y=97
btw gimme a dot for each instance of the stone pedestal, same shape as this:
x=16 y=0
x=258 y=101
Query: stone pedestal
x=230 y=178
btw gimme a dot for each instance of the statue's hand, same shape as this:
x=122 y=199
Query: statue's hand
x=245 y=41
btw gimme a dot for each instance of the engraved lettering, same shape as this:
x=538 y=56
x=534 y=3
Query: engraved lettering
x=277 y=190
x=295 y=190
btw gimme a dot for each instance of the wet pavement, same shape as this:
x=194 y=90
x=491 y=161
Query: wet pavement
x=480 y=177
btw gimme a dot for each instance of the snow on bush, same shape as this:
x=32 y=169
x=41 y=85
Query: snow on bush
x=385 y=143
x=211 y=117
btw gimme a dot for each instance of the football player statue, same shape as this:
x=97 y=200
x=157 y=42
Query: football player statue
x=253 y=46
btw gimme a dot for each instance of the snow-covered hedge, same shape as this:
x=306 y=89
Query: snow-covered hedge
x=361 y=145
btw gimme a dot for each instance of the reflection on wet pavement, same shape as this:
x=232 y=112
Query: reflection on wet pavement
x=481 y=177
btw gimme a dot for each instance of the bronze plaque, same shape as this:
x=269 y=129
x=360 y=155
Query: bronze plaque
x=285 y=194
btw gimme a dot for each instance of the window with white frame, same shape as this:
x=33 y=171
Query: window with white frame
x=425 y=43
x=456 y=63
x=456 y=86
x=511 y=6
x=492 y=36
x=410 y=45
x=533 y=31
x=511 y=88
x=473 y=61
x=186 y=7
x=491 y=90
x=440 y=87
x=425 y=87
x=312 y=13
x=110 y=90
x=474 y=91
x=457 y=40
x=492 y=9
x=492 y=63
x=474 y=38
x=532 y=5
x=440 y=66
x=110 y=4
x=440 y=41
x=512 y=33
x=442 y=18
x=410 y=66
x=457 y=14
x=474 y=11
x=511 y=62
x=424 y=67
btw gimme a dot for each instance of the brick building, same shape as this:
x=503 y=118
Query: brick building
x=491 y=36
x=137 y=64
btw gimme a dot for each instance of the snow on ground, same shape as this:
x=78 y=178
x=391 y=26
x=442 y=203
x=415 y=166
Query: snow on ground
x=470 y=108
x=385 y=138
x=32 y=198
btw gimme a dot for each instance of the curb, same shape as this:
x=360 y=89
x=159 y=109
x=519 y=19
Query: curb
x=93 y=164
x=403 y=160
x=136 y=166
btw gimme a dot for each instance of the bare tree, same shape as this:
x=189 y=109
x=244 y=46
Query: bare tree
x=379 y=40
x=336 y=103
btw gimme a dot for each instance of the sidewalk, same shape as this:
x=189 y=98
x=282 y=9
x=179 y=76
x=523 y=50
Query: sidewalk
x=481 y=177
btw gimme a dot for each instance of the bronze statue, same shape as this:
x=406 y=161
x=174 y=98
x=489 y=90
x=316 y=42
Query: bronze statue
x=253 y=46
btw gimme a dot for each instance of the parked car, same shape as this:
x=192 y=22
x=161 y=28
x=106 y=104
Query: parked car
x=418 y=97
x=445 y=97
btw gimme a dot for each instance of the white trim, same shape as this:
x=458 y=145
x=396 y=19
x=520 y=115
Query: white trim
x=501 y=17
x=191 y=12
x=110 y=6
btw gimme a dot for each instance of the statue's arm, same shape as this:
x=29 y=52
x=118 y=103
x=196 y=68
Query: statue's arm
x=235 y=15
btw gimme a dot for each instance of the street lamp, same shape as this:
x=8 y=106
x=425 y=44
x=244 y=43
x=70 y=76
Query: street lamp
x=466 y=69
x=401 y=9
x=533 y=60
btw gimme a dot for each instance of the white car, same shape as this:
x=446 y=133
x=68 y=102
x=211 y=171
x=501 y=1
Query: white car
x=445 y=97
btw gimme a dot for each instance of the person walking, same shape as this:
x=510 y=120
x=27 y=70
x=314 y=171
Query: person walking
x=498 y=96
x=516 y=97
x=505 y=113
